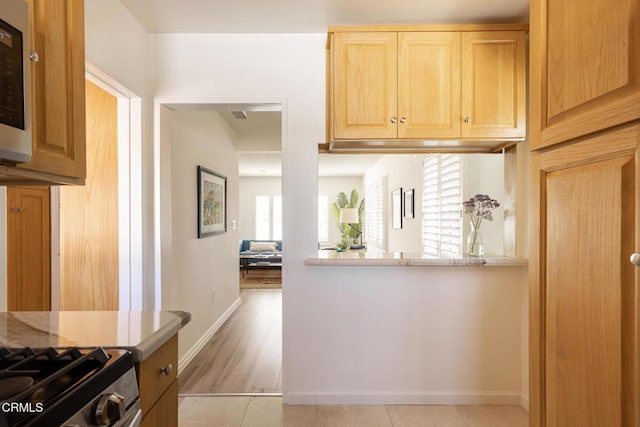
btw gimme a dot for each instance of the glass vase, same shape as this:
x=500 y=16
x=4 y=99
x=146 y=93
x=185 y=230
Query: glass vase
x=475 y=242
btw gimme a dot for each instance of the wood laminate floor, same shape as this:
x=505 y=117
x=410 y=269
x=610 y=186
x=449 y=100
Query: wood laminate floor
x=261 y=278
x=245 y=411
x=245 y=355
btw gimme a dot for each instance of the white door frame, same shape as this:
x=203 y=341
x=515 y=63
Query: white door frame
x=129 y=197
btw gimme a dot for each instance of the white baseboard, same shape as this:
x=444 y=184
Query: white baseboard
x=195 y=349
x=404 y=398
x=524 y=401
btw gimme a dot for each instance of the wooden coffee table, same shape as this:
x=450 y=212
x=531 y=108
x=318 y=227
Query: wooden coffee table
x=260 y=261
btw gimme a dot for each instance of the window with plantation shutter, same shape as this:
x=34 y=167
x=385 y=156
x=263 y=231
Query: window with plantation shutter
x=373 y=215
x=442 y=205
x=268 y=219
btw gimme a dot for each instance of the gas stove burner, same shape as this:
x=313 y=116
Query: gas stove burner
x=13 y=386
x=44 y=387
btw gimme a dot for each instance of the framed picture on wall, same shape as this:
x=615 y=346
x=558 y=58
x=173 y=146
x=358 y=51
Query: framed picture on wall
x=396 y=208
x=212 y=202
x=408 y=203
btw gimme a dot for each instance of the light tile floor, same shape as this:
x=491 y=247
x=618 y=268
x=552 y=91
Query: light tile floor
x=245 y=411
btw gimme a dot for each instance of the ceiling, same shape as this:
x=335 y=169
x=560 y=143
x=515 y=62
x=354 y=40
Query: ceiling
x=313 y=16
x=260 y=131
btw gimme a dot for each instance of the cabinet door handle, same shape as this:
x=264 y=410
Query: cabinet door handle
x=167 y=370
x=635 y=259
x=403 y=119
x=33 y=56
x=394 y=120
x=17 y=210
x=467 y=119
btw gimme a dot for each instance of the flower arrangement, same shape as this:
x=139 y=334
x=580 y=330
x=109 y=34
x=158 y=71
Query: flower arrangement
x=478 y=207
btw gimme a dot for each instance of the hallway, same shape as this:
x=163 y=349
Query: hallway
x=245 y=355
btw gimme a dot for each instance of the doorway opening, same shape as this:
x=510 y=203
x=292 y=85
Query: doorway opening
x=260 y=197
x=241 y=353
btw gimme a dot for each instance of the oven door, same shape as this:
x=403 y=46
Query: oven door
x=133 y=418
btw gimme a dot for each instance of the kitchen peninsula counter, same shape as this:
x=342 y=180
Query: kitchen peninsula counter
x=141 y=332
x=365 y=258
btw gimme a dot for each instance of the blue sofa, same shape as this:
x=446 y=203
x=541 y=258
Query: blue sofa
x=246 y=244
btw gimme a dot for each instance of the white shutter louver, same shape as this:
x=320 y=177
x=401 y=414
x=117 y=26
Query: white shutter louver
x=442 y=205
x=373 y=215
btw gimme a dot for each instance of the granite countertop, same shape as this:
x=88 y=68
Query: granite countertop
x=364 y=258
x=141 y=332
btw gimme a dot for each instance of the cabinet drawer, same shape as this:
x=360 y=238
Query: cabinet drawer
x=152 y=381
x=165 y=411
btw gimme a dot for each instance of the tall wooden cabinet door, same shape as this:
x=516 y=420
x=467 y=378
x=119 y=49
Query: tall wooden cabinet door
x=364 y=85
x=585 y=67
x=58 y=88
x=89 y=233
x=493 y=84
x=28 y=249
x=584 y=289
x=429 y=85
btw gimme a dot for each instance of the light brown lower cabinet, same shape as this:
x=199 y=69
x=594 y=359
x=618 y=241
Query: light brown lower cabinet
x=28 y=249
x=165 y=410
x=158 y=386
x=584 y=296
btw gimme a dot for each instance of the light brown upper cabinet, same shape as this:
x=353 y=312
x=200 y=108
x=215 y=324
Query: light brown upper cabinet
x=493 y=84
x=58 y=104
x=365 y=76
x=585 y=67
x=427 y=83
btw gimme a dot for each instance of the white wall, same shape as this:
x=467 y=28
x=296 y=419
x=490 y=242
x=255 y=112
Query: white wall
x=267 y=142
x=407 y=335
x=250 y=187
x=200 y=267
x=331 y=186
x=402 y=171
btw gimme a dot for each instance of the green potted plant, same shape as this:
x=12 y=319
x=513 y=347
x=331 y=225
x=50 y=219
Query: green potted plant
x=349 y=233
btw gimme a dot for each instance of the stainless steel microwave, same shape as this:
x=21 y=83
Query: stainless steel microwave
x=15 y=82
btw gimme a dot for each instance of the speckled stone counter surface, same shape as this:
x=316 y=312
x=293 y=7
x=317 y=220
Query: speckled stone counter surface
x=142 y=332
x=362 y=258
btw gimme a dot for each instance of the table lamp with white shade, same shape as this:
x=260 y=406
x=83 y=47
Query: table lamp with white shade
x=350 y=216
